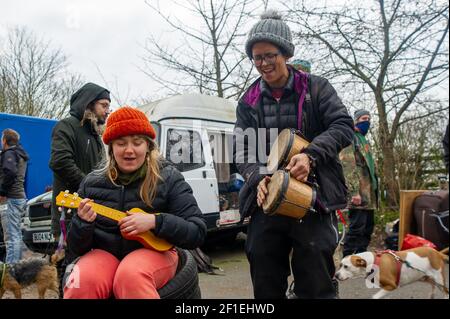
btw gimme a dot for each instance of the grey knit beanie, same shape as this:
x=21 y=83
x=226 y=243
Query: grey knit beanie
x=271 y=29
x=359 y=113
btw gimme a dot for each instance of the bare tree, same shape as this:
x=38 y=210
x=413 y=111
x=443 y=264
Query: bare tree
x=418 y=151
x=395 y=52
x=265 y=4
x=208 y=58
x=115 y=91
x=33 y=77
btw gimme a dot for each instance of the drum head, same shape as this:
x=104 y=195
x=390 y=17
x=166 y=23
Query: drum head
x=276 y=192
x=279 y=150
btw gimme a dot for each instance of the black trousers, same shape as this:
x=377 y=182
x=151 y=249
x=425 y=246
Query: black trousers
x=360 y=231
x=270 y=241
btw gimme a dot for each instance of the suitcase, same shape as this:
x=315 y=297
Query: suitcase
x=426 y=211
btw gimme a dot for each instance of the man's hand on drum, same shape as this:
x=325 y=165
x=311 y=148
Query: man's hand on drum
x=262 y=190
x=299 y=167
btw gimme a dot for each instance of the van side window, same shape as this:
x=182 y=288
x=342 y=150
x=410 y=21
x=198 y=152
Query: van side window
x=185 y=149
x=157 y=128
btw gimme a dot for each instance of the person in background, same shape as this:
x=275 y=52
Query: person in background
x=13 y=164
x=446 y=151
x=301 y=65
x=362 y=181
x=76 y=146
x=134 y=176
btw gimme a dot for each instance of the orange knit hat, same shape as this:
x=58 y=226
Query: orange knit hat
x=127 y=121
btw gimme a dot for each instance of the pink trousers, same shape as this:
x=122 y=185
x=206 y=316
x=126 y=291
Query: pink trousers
x=99 y=274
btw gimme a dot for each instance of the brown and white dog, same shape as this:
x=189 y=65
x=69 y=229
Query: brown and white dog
x=388 y=272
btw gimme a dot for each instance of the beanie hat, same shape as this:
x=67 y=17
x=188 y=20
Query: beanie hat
x=359 y=113
x=127 y=121
x=102 y=95
x=271 y=29
x=302 y=65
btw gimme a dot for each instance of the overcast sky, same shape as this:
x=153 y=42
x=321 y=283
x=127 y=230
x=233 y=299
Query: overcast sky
x=95 y=34
x=103 y=39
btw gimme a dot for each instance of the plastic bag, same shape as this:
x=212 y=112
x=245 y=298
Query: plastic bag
x=413 y=241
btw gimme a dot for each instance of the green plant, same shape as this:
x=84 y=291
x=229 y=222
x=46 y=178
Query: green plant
x=384 y=216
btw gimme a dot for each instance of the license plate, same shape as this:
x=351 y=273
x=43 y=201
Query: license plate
x=45 y=237
x=228 y=217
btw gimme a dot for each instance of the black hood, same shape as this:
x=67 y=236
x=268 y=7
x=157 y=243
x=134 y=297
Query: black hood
x=81 y=98
x=19 y=151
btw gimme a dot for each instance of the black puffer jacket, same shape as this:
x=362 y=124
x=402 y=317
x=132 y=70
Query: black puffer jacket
x=180 y=221
x=324 y=122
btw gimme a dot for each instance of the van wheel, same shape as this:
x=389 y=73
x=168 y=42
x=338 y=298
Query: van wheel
x=185 y=283
x=226 y=237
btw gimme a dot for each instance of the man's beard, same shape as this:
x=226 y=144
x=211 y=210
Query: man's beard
x=101 y=120
x=96 y=122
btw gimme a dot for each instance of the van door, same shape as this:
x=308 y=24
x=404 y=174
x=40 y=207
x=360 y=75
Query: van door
x=189 y=150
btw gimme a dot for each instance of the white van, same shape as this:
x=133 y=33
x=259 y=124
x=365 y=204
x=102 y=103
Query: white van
x=195 y=132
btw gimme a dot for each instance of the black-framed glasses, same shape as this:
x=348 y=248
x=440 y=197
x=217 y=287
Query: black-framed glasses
x=104 y=105
x=270 y=58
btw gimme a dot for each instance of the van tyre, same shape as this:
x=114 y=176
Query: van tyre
x=185 y=283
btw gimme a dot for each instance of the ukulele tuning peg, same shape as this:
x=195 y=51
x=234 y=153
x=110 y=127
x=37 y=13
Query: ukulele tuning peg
x=66 y=191
x=69 y=210
x=75 y=195
x=60 y=209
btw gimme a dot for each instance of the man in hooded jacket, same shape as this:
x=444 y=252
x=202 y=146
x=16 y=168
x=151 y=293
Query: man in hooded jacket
x=13 y=166
x=76 y=144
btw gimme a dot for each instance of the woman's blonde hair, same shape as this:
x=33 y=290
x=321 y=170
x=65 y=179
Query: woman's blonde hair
x=148 y=188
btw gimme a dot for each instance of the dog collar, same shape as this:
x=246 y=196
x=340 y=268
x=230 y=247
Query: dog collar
x=2 y=274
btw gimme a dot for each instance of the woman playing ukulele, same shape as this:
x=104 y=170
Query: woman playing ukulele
x=133 y=176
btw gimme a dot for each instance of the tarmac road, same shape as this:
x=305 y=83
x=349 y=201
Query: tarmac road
x=234 y=281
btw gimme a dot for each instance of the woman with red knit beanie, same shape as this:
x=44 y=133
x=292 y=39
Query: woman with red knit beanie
x=133 y=176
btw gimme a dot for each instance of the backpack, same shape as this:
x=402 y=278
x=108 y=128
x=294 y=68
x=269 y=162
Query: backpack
x=204 y=262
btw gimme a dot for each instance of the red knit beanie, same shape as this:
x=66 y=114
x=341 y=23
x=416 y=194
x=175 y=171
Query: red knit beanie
x=127 y=121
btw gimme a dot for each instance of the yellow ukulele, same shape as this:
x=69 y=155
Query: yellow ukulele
x=148 y=239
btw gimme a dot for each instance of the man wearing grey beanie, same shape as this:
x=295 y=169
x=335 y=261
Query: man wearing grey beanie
x=283 y=97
